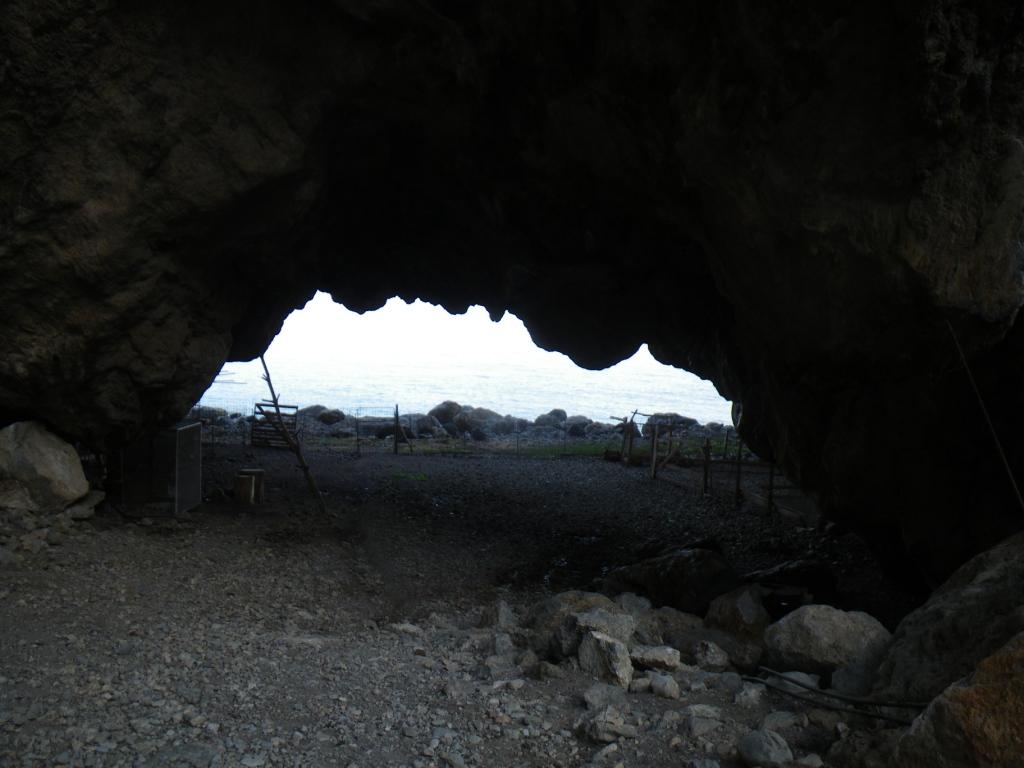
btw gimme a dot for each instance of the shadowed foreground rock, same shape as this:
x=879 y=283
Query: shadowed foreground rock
x=39 y=472
x=802 y=197
x=821 y=639
x=976 y=722
x=970 y=616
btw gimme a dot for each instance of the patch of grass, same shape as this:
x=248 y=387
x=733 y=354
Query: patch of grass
x=573 y=448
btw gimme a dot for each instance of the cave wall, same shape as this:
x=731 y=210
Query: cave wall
x=805 y=195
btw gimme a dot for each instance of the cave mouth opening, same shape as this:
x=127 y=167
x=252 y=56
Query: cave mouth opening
x=544 y=512
x=417 y=355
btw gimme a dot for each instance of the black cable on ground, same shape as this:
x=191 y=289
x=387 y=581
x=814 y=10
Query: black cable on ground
x=849 y=699
x=825 y=704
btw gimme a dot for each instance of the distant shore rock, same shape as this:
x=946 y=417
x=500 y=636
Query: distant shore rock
x=445 y=412
x=453 y=419
x=330 y=416
x=671 y=421
x=553 y=418
x=576 y=426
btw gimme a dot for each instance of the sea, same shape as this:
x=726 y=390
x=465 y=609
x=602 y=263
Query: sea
x=416 y=355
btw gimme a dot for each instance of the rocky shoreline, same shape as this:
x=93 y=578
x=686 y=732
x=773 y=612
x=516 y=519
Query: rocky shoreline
x=455 y=420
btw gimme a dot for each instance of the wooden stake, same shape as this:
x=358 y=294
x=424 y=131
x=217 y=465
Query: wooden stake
x=398 y=428
x=739 y=462
x=707 y=466
x=654 y=452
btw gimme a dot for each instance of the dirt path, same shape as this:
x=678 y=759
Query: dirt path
x=268 y=637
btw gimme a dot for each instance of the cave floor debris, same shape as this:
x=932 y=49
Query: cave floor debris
x=252 y=636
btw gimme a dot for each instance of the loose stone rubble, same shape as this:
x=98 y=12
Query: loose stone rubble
x=166 y=643
x=257 y=665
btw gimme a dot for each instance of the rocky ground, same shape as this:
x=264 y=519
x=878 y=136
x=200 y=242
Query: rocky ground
x=406 y=631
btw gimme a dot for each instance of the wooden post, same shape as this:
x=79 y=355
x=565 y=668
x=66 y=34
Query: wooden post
x=398 y=429
x=628 y=454
x=707 y=466
x=654 y=451
x=739 y=463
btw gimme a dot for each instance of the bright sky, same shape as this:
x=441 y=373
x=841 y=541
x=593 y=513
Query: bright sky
x=418 y=354
x=417 y=333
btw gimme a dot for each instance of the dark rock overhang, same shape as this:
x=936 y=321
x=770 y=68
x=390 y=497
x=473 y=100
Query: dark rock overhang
x=793 y=202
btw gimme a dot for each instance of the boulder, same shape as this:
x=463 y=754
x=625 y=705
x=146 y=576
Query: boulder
x=330 y=416
x=553 y=418
x=475 y=420
x=687 y=632
x=664 y=685
x=576 y=426
x=820 y=639
x=667 y=625
x=38 y=470
x=605 y=657
x=866 y=749
x=977 y=722
x=605 y=725
x=546 y=619
x=740 y=612
x=666 y=421
x=509 y=425
x=686 y=579
x=615 y=623
x=601 y=695
x=702 y=719
x=858 y=676
x=750 y=695
x=635 y=604
x=976 y=611
x=445 y=412
x=782 y=720
x=764 y=749
x=421 y=424
x=707 y=655
x=640 y=685
x=655 y=657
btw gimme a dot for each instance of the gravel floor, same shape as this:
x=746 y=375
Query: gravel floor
x=268 y=636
